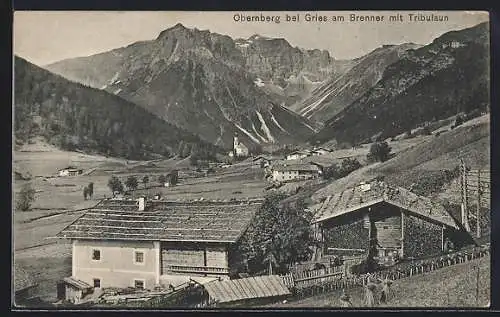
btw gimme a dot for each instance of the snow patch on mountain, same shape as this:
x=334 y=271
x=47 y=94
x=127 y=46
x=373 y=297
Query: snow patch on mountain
x=264 y=127
x=248 y=134
x=257 y=133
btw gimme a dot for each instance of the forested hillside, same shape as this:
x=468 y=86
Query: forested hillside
x=439 y=80
x=73 y=116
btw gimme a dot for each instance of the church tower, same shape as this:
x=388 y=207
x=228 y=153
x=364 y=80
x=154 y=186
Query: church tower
x=236 y=142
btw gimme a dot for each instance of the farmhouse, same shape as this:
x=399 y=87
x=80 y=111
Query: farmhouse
x=319 y=151
x=143 y=244
x=24 y=286
x=297 y=155
x=282 y=173
x=263 y=160
x=70 y=171
x=393 y=221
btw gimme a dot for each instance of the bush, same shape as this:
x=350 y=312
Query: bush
x=367 y=266
x=132 y=183
x=379 y=151
x=347 y=166
x=162 y=179
x=26 y=198
x=115 y=184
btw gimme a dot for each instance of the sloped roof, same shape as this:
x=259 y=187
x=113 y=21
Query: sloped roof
x=197 y=222
x=77 y=283
x=22 y=280
x=296 y=167
x=247 y=288
x=362 y=196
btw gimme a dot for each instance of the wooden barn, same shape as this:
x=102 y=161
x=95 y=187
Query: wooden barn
x=394 y=222
x=144 y=244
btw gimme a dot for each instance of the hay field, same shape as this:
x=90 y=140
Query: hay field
x=425 y=156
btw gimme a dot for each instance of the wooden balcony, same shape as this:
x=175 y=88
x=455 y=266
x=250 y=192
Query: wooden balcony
x=196 y=269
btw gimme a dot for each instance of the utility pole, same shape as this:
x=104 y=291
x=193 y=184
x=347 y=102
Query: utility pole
x=478 y=226
x=465 y=218
x=477 y=285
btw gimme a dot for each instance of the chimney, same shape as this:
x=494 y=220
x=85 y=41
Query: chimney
x=142 y=203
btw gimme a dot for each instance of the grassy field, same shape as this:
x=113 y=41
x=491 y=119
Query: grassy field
x=59 y=198
x=453 y=286
x=47 y=264
x=422 y=156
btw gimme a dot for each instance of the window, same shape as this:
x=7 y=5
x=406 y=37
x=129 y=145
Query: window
x=139 y=284
x=96 y=255
x=139 y=257
x=97 y=282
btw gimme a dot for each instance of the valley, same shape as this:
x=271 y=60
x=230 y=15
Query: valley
x=164 y=171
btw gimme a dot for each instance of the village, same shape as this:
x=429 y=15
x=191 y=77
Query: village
x=167 y=233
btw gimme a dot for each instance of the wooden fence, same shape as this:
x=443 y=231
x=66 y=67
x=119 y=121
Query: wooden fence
x=318 y=284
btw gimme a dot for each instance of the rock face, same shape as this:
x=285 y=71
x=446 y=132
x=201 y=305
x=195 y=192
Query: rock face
x=439 y=80
x=338 y=92
x=204 y=82
x=286 y=73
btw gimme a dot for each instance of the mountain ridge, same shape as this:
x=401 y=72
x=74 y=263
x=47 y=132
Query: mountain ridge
x=444 y=78
x=162 y=76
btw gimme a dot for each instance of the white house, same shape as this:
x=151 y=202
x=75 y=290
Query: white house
x=283 y=173
x=143 y=244
x=297 y=155
x=70 y=171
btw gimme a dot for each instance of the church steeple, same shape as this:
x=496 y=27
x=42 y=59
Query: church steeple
x=236 y=142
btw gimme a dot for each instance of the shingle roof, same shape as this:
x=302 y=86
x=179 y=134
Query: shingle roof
x=358 y=197
x=246 y=288
x=22 y=280
x=165 y=221
x=77 y=283
x=296 y=167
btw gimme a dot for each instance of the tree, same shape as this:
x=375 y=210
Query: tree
x=145 y=180
x=379 y=151
x=162 y=179
x=90 y=189
x=132 y=183
x=26 y=198
x=85 y=193
x=278 y=236
x=331 y=172
x=348 y=166
x=115 y=184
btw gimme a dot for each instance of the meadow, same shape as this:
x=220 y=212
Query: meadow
x=59 y=200
x=453 y=286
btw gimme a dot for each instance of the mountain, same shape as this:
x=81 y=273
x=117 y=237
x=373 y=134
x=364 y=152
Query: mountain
x=335 y=94
x=198 y=80
x=288 y=73
x=439 y=80
x=73 y=116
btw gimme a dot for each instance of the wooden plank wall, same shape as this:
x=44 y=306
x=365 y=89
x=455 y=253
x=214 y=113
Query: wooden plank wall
x=389 y=232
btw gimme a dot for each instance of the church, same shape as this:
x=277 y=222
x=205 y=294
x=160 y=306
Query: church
x=239 y=149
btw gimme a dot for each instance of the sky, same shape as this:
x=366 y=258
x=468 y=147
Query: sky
x=43 y=37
